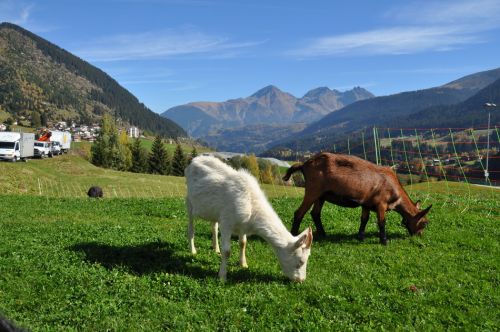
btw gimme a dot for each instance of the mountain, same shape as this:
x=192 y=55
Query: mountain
x=268 y=106
x=37 y=76
x=469 y=113
x=251 y=138
x=394 y=109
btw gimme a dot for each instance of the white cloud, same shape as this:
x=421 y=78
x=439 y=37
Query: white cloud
x=481 y=12
x=16 y=12
x=159 y=44
x=433 y=26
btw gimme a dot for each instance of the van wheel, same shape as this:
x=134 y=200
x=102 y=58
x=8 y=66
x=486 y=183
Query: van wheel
x=14 y=159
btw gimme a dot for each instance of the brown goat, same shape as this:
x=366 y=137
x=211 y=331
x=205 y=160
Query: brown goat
x=349 y=181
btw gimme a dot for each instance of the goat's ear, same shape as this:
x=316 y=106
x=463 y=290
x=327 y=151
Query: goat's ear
x=422 y=214
x=418 y=204
x=309 y=240
x=304 y=239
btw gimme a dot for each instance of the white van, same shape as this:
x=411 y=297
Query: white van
x=43 y=149
x=16 y=146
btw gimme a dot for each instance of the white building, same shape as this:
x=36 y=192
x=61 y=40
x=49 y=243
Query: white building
x=133 y=132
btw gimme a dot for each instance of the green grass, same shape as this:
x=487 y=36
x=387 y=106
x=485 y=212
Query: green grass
x=124 y=265
x=72 y=175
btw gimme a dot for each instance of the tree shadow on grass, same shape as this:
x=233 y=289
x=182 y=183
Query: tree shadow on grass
x=158 y=257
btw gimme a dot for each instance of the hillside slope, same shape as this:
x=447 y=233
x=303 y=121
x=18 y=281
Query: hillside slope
x=399 y=110
x=468 y=113
x=37 y=76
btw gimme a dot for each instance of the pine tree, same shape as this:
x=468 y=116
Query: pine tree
x=159 y=160
x=178 y=162
x=44 y=119
x=36 y=120
x=139 y=157
x=100 y=150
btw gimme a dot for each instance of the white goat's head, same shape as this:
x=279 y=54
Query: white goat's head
x=293 y=259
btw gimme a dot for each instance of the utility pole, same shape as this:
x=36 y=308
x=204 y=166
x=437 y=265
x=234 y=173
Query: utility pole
x=488 y=107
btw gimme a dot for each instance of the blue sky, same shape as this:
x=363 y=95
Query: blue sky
x=170 y=52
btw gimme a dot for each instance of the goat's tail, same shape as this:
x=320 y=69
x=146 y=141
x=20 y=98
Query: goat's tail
x=294 y=168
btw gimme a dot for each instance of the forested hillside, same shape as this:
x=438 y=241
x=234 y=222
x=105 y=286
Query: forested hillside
x=38 y=77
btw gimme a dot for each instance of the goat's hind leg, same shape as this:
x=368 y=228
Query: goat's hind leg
x=381 y=224
x=301 y=211
x=316 y=217
x=365 y=215
x=190 y=227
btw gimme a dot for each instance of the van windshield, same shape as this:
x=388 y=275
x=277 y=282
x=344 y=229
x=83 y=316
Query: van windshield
x=6 y=145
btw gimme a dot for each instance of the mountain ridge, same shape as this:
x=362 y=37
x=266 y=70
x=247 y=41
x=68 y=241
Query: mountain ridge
x=471 y=91
x=39 y=76
x=268 y=105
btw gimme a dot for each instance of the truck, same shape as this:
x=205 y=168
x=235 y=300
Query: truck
x=43 y=149
x=16 y=146
x=64 y=139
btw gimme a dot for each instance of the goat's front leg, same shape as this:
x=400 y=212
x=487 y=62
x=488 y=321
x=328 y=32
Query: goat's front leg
x=215 y=237
x=365 y=216
x=225 y=237
x=243 y=246
x=316 y=217
x=381 y=224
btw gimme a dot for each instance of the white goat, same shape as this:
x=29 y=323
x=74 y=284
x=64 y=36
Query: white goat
x=218 y=193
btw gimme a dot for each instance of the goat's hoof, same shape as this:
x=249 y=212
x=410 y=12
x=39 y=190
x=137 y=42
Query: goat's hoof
x=361 y=238
x=193 y=252
x=244 y=266
x=383 y=242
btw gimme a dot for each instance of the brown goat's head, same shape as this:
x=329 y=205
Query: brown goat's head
x=416 y=224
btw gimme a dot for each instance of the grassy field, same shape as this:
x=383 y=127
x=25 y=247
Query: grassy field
x=72 y=175
x=122 y=263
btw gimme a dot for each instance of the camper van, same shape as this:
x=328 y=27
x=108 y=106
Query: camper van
x=16 y=146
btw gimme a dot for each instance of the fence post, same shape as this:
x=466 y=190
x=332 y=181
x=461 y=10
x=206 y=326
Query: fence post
x=461 y=169
x=406 y=158
x=375 y=144
x=363 y=140
x=390 y=145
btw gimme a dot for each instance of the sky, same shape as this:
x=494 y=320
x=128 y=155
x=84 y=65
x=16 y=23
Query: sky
x=171 y=52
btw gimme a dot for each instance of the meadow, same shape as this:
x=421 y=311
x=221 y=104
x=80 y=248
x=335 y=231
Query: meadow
x=122 y=263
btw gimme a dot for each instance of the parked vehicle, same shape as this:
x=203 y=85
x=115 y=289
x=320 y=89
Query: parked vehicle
x=43 y=149
x=16 y=146
x=64 y=139
x=56 y=148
